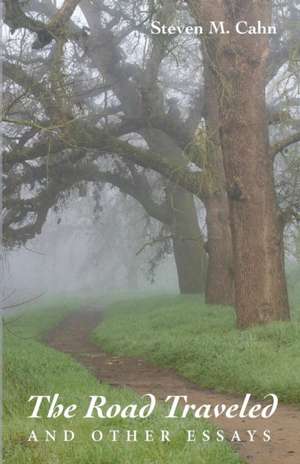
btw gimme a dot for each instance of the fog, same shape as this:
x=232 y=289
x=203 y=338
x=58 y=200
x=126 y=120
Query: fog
x=86 y=249
x=79 y=216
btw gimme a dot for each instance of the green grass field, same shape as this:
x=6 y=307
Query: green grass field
x=201 y=343
x=32 y=368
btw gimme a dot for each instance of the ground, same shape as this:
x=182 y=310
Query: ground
x=157 y=344
x=32 y=368
x=202 y=343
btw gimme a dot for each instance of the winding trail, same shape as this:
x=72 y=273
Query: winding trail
x=72 y=336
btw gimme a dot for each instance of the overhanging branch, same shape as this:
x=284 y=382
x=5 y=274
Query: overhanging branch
x=285 y=143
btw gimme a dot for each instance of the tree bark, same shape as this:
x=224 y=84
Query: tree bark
x=188 y=244
x=220 y=278
x=239 y=63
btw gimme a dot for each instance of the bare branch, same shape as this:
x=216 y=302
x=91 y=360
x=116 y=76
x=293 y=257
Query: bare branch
x=16 y=19
x=285 y=143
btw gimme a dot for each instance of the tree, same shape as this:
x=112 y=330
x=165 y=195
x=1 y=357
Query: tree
x=239 y=66
x=217 y=206
x=73 y=128
x=142 y=103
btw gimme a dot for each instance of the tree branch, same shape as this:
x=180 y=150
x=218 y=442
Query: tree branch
x=285 y=143
x=46 y=32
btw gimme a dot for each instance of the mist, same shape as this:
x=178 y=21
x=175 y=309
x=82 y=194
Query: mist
x=91 y=246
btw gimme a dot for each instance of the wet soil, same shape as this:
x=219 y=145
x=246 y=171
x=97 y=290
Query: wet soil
x=72 y=336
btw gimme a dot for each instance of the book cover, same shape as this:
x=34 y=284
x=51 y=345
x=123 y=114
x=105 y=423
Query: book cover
x=150 y=232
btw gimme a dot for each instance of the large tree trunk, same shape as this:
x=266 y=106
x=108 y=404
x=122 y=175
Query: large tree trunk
x=192 y=266
x=220 y=278
x=188 y=243
x=239 y=63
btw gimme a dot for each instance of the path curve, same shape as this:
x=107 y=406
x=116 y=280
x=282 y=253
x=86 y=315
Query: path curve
x=73 y=336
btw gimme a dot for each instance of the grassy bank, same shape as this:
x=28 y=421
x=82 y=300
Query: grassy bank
x=201 y=343
x=34 y=369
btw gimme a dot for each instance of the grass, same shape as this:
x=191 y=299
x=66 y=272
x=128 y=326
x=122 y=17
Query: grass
x=202 y=344
x=34 y=369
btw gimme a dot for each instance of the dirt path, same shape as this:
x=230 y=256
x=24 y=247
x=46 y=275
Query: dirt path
x=72 y=336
